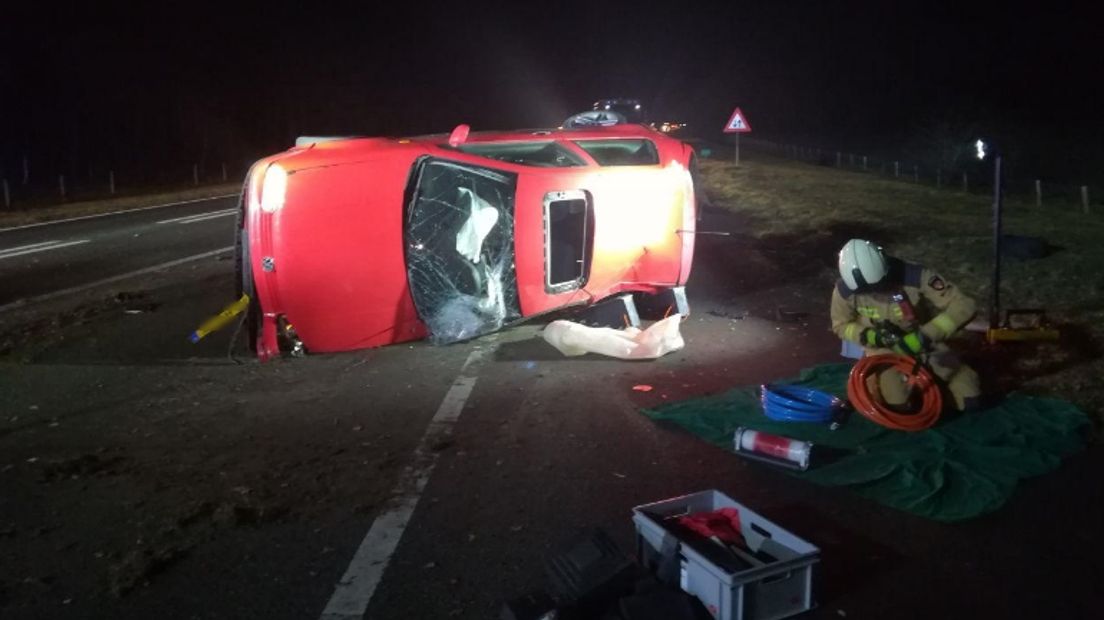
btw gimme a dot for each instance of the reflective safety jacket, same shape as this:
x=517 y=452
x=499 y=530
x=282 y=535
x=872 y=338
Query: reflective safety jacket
x=939 y=307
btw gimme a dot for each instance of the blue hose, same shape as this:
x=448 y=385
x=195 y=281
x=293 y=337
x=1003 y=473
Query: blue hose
x=792 y=403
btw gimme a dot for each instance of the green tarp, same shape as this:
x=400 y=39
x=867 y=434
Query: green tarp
x=965 y=466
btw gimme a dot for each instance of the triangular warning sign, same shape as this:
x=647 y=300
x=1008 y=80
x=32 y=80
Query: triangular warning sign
x=737 y=123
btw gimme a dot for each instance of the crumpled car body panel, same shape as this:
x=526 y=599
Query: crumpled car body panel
x=339 y=256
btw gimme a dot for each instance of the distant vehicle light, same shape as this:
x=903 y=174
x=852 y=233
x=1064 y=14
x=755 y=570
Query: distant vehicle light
x=980 y=149
x=637 y=106
x=274 y=189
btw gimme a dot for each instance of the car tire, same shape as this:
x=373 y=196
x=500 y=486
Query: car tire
x=243 y=278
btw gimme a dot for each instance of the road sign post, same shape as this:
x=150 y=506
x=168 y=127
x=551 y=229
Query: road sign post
x=737 y=124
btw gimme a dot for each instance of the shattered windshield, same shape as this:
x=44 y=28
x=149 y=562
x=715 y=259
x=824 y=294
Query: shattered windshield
x=546 y=154
x=621 y=152
x=460 y=250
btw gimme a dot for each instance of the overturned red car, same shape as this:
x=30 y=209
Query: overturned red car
x=347 y=243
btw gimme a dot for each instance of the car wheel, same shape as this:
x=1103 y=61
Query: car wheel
x=243 y=279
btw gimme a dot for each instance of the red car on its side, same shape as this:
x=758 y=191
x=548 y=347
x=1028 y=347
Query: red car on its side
x=346 y=243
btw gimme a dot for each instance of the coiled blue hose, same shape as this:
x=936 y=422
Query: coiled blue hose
x=792 y=403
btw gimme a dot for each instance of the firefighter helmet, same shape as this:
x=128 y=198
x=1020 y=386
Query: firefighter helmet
x=862 y=264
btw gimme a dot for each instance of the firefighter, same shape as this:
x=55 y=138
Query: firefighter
x=887 y=305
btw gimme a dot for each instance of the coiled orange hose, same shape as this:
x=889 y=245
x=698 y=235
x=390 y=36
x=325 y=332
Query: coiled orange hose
x=919 y=378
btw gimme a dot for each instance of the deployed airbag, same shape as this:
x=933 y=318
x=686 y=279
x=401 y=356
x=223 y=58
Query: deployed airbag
x=482 y=218
x=573 y=339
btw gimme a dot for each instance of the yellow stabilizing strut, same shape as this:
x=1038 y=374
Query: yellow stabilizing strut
x=220 y=320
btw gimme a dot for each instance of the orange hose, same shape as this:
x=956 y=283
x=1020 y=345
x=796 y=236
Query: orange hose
x=871 y=405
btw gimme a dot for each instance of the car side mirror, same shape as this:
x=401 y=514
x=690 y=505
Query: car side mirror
x=459 y=135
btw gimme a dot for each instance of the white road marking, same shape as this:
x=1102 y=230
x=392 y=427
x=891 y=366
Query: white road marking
x=198 y=217
x=130 y=274
x=38 y=247
x=353 y=593
x=89 y=217
x=31 y=245
x=210 y=216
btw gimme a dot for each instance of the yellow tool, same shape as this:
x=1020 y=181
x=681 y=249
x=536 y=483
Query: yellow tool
x=220 y=320
x=1022 y=325
x=1013 y=327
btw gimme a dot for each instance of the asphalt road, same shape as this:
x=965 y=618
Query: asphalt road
x=43 y=258
x=219 y=490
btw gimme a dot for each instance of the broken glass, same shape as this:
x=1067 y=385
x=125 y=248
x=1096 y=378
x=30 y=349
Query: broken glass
x=460 y=250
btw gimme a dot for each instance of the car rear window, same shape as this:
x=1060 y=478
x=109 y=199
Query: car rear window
x=621 y=152
x=544 y=154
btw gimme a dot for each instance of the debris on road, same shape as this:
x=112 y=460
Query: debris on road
x=138 y=567
x=573 y=339
x=790 y=316
x=135 y=302
x=724 y=314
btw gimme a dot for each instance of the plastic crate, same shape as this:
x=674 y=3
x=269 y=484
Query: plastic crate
x=779 y=588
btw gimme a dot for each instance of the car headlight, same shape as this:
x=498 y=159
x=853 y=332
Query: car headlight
x=273 y=189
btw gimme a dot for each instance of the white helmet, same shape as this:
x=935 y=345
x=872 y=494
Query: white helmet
x=862 y=263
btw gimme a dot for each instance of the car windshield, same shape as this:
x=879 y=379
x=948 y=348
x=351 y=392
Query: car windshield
x=621 y=152
x=545 y=154
x=460 y=249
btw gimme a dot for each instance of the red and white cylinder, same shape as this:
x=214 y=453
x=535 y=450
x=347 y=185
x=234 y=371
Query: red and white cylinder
x=784 y=451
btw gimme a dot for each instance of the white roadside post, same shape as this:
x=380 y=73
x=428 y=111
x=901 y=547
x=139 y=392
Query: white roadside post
x=111 y=181
x=61 y=185
x=223 y=172
x=1038 y=193
x=1085 y=198
x=7 y=195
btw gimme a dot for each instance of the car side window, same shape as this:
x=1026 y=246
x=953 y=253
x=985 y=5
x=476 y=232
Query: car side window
x=621 y=151
x=545 y=154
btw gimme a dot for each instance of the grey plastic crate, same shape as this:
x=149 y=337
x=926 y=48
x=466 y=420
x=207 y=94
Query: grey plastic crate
x=778 y=589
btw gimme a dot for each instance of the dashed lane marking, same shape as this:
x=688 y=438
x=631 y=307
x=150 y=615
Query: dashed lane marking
x=121 y=212
x=130 y=274
x=353 y=593
x=199 y=217
x=38 y=247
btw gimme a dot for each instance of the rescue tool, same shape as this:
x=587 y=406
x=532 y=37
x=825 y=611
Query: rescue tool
x=220 y=320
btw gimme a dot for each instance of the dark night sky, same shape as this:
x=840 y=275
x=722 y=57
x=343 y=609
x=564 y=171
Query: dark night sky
x=169 y=82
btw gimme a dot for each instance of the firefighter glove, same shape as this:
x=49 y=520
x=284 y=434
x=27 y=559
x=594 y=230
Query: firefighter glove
x=877 y=338
x=913 y=343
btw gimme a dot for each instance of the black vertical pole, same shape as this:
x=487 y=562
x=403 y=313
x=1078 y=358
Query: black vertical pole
x=994 y=297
